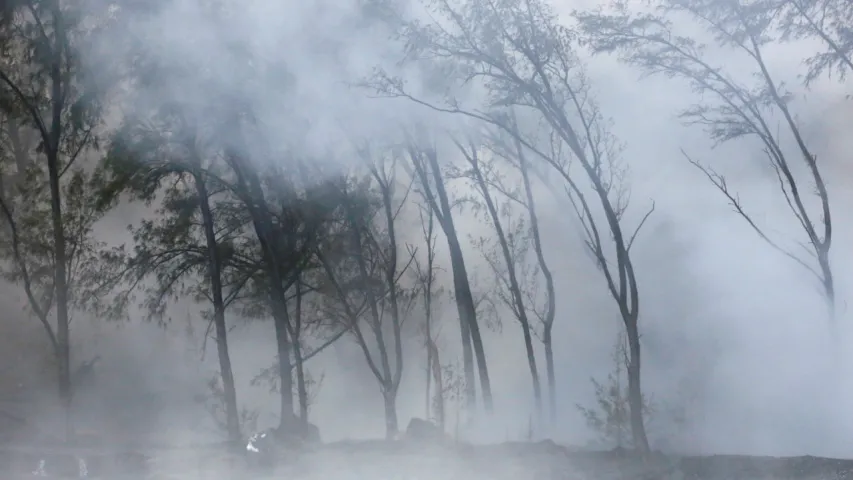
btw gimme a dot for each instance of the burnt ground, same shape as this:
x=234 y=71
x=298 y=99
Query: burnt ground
x=408 y=460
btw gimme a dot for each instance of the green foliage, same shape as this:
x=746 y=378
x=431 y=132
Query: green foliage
x=34 y=261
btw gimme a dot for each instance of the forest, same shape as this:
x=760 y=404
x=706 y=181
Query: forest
x=329 y=227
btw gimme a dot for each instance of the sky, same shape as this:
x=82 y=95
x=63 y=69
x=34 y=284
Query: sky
x=719 y=308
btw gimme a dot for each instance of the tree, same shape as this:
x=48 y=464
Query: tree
x=510 y=148
x=427 y=171
x=167 y=149
x=507 y=264
x=826 y=20
x=525 y=60
x=44 y=88
x=280 y=269
x=363 y=273
x=430 y=292
x=742 y=110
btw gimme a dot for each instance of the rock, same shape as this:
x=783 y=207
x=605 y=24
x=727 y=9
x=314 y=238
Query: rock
x=296 y=433
x=423 y=430
x=311 y=434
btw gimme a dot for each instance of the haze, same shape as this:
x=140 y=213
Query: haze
x=730 y=328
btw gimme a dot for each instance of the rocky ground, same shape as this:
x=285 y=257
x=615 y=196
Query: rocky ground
x=417 y=460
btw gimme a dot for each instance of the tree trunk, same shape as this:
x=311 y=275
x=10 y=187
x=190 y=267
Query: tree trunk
x=635 y=395
x=550 y=312
x=61 y=282
x=428 y=405
x=301 y=387
x=514 y=286
x=470 y=328
x=286 y=415
x=52 y=149
x=439 y=386
x=256 y=203
x=214 y=270
x=391 y=427
x=467 y=353
x=547 y=341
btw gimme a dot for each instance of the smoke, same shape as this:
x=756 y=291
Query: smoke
x=719 y=307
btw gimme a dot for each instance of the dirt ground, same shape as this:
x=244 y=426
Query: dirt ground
x=402 y=460
x=409 y=460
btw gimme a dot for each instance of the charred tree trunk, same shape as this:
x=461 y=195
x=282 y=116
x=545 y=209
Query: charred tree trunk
x=214 y=270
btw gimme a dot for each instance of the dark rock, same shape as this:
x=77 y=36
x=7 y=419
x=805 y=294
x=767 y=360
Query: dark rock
x=423 y=430
x=296 y=433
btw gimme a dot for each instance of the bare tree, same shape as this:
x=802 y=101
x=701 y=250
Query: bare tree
x=426 y=169
x=510 y=235
x=430 y=292
x=363 y=272
x=524 y=59
x=741 y=110
x=517 y=156
x=826 y=20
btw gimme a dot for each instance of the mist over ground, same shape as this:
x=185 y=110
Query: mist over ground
x=731 y=329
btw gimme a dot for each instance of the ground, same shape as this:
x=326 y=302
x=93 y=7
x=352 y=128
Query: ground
x=409 y=460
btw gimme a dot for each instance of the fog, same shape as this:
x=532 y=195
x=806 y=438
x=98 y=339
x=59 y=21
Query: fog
x=719 y=308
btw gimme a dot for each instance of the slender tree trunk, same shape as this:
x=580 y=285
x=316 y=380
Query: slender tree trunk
x=286 y=410
x=635 y=395
x=214 y=270
x=428 y=405
x=61 y=283
x=391 y=282
x=52 y=148
x=464 y=299
x=391 y=426
x=440 y=409
x=467 y=354
x=547 y=341
x=301 y=386
x=550 y=312
x=514 y=286
x=258 y=209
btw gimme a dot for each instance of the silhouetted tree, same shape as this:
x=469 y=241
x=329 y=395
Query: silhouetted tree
x=430 y=180
x=741 y=109
x=523 y=59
